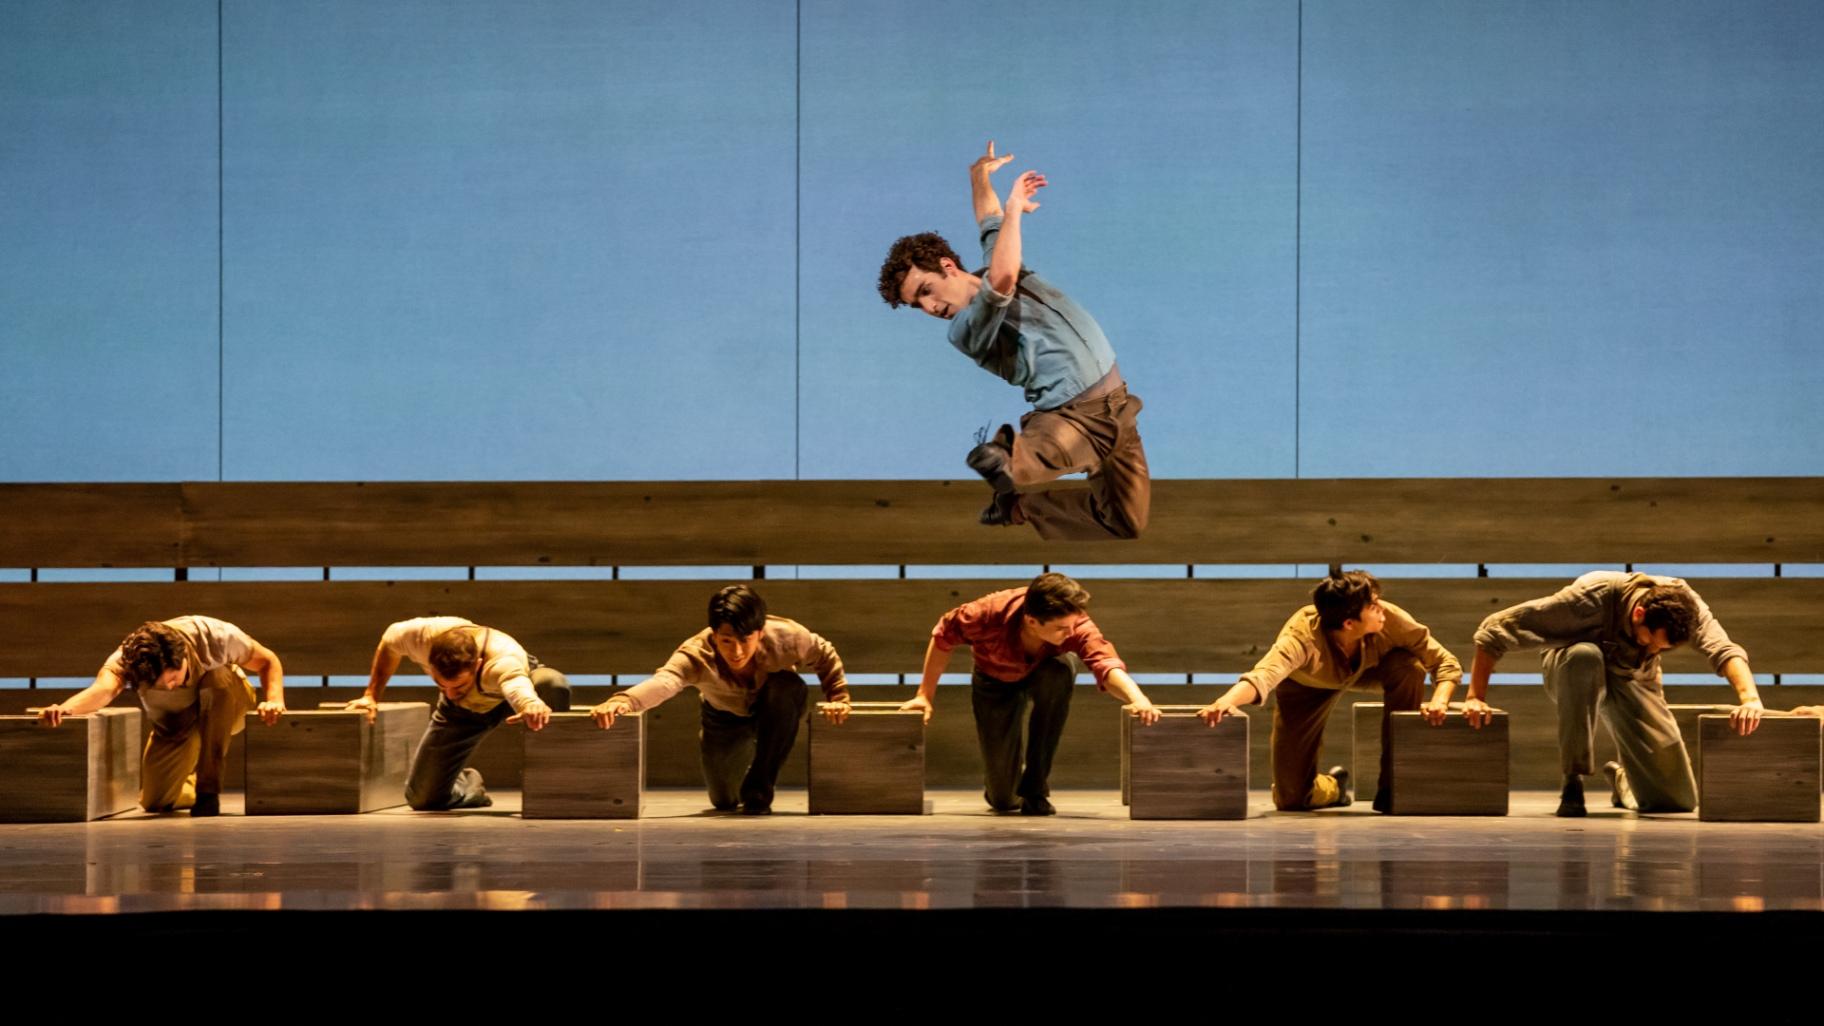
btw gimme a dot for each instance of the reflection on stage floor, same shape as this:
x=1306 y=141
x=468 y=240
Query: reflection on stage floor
x=1090 y=856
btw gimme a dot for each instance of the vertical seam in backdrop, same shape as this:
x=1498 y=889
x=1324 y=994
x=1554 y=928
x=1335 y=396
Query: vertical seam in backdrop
x=221 y=346
x=1298 y=252
x=797 y=244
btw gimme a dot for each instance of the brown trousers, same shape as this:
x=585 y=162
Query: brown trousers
x=1094 y=435
x=1299 y=716
x=182 y=762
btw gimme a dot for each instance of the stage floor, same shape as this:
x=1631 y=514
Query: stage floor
x=1090 y=856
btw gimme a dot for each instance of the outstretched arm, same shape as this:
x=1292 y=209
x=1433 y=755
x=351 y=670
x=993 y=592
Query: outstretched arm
x=1004 y=267
x=987 y=204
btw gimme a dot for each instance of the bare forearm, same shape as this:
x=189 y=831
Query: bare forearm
x=1239 y=694
x=272 y=675
x=1480 y=669
x=92 y=698
x=1004 y=267
x=1123 y=688
x=981 y=190
x=385 y=663
x=1741 y=678
x=937 y=659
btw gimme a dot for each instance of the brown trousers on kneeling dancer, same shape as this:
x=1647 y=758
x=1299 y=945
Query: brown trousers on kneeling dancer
x=1299 y=716
x=185 y=754
x=1095 y=435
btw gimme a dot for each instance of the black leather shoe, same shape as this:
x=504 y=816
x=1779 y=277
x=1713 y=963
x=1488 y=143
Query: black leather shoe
x=991 y=462
x=1345 y=793
x=1037 y=807
x=207 y=805
x=1570 y=800
x=1000 y=512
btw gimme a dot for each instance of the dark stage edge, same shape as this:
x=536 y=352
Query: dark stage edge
x=1617 y=891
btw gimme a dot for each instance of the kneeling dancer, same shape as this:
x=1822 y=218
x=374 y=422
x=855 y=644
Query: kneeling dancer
x=1347 y=638
x=745 y=667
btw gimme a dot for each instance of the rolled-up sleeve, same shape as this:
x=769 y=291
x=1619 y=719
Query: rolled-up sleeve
x=1096 y=651
x=1573 y=613
x=518 y=691
x=1407 y=633
x=1290 y=651
x=960 y=626
x=1709 y=637
x=977 y=327
x=818 y=655
x=406 y=639
x=665 y=682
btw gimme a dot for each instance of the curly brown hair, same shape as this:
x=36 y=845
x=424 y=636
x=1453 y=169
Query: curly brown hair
x=922 y=251
x=148 y=652
x=1670 y=609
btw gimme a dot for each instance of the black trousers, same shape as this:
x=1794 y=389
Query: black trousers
x=436 y=781
x=1015 y=771
x=742 y=755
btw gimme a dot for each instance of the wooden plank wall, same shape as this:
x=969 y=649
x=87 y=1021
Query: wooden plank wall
x=1481 y=520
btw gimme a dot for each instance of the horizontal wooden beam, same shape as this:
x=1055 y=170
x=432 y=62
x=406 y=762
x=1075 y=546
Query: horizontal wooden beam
x=1481 y=520
x=880 y=626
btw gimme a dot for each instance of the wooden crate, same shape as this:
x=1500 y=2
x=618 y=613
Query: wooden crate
x=1770 y=776
x=871 y=765
x=85 y=769
x=330 y=761
x=1448 y=770
x=1182 y=768
x=576 y=770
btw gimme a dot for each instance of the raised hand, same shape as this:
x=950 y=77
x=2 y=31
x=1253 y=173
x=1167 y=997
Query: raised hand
x=1024 y=187
x=988 y=163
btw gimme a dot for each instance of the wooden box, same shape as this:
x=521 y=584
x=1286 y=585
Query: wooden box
x=1448 y=770
x=85 y=769
x=576 y=770
x=1182 y=768
x=329 y=761
x=871 y=765
x=1687 y=715
x=1770 y=776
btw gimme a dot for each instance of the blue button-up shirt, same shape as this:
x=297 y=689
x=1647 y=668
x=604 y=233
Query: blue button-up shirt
x=1036 y=338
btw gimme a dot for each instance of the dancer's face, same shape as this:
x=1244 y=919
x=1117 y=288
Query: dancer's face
x=1653 y=642
x=1052 y=632
x=1373 y=618
x=174 y=677
x=940 y=293
x=455 y=687
x=737 y=650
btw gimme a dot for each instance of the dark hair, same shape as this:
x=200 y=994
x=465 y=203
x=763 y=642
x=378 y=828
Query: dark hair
x=1670 y=609
x=148 y=652
x=1342 y=596
x=922 y=251
x=738 y=606
x=453 y=652
x=1050 y=596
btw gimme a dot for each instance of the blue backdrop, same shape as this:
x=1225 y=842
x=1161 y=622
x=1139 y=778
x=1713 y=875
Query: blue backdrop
x=639 y=240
